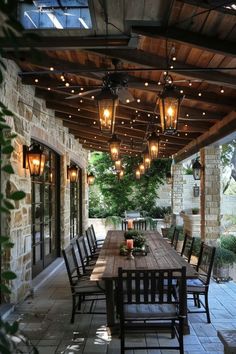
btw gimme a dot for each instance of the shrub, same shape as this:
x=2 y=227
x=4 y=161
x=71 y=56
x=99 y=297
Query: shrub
x=223 y=257
x=159 y=212
x=228 y=242
x=195 y=211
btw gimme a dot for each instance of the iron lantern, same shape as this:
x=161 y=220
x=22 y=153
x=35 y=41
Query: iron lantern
x=146 y=159
x=114 y=145
x=168 y=178
x=142 y=168
x=153 y=146
x=34 y=159
x=196 y=190
x=197 y=168
x=118 y=165
x=120 y=174
x=137 y=173
x=72 y=173
x=90 y=179
x=107 y=102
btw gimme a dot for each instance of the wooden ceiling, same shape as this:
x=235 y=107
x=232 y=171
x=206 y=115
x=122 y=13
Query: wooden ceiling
x=200 y=34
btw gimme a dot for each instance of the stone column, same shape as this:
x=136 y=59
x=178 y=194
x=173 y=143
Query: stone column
x=85 y=198
x=210 y=193
x=177 y=190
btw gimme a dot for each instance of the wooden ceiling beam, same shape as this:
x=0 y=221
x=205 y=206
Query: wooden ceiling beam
x=179 y=35
x=215 y=133
x=155 y=62
x=65 y=42
x=207 y=5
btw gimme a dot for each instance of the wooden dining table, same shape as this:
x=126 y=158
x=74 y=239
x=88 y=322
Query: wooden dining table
x=161 y=255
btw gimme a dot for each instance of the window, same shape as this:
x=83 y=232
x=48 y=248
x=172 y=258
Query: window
x=51 y=14
x=75 y=207
x=45 y=214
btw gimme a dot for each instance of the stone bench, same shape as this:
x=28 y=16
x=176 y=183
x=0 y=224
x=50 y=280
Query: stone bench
x=228 y=338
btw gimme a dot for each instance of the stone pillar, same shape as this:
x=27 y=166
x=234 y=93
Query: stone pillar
x=85 y=198
x=210 y=193
x=177 y=189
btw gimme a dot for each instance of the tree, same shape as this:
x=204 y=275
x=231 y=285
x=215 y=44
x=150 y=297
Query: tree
x=127 y=193
x=228 y=159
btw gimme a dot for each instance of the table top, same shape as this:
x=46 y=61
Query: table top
x=161 y=256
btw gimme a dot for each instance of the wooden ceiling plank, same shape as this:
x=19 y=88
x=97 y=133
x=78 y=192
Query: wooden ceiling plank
x=179 y=35
x=215 y=133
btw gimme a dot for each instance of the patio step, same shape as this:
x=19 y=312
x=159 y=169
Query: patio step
x=228 y=338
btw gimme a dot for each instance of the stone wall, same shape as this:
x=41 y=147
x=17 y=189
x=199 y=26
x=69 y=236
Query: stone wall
x=33 y=120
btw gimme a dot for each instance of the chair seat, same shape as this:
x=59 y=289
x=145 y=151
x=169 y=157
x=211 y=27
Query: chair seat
x=195 y=285
x=149 y=311
x=89 y=287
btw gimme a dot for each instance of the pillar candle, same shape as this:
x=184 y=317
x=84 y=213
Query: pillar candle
x=130 y=224
x=130 y=244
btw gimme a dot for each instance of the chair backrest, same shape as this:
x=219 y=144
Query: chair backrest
x=187 y=248
x=205 y=262
x=151 y=287
x=93 y=233
x=71 y=265
x=175 y=238
x=83 y=254
x=90 y=240
x=140 y=224
x=124 y=224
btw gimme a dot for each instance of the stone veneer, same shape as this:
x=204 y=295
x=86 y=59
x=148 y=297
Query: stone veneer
x=177 y=188
x=33 y=120
x=210 y=193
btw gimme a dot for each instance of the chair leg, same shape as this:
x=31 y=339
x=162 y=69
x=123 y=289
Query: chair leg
x=73 y=309
x=173 y=329
x=181 y=337
x=122 y=342
x=207 y=308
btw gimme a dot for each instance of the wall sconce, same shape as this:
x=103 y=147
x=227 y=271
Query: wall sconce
x=107 y=102
x=90 y=179
x=153 y=146
x=72 y=173
x=168 y=178
x=197 y=169
x=142 y=168
x=34 y=159
x=114 y=145
x=196 y=190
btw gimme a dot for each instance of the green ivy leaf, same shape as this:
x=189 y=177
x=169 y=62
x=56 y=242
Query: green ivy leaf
x=4 y=210
x=8 y=244
x=4 y=239
x=8 y=204
x=8 y=275
x=7 y=149
x=17 y=195
x=8 y=169
x=4 y=126
x=5 y=289
x=6 y=112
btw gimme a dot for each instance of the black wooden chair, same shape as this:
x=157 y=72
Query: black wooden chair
x=91 y=245
x=124 y=225
x=81 y=289
x=146 y=302
x=140 y=224
x=200 y=286
x=98 y=242
x=187 y=248
x=175 y=238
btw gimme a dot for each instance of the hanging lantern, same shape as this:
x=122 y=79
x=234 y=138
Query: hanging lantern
x=153 y=146
x=168 y=178
x=146 y=159
x=142 y=168
x=120 y=174
x=72 y=173
x=107 y=103
x=118 y=165
x=114 y=145
x=90 y=178
x=137 y=174
x=197 y=168
x=169 y=103
x=34 y=159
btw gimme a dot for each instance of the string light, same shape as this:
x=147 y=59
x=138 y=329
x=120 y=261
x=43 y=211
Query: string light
x=222 y=90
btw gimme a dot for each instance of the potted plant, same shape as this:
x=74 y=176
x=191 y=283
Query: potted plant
x=195 y=211
x=223 y=260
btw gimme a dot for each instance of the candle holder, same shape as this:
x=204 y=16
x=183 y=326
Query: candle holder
x=130 y=253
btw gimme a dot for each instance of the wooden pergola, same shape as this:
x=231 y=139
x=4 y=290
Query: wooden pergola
x=142 y=35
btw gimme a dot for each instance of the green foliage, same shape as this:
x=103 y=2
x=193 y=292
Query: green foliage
x=159 y=212
x=127 y=194
x=130 y=234
x=188 y=170
x=114 y=220
x=224 y=257
x=195 y=211
x=228 y=242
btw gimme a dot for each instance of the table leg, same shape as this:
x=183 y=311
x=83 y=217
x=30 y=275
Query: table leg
x=110 y=303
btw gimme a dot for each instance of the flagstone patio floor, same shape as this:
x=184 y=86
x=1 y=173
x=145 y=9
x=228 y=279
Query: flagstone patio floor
x=45 y=319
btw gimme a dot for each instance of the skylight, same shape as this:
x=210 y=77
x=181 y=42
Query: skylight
x=51 y=14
